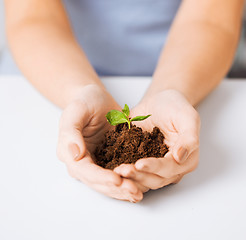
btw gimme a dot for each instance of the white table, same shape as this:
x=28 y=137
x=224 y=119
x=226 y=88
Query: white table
x=38 y=200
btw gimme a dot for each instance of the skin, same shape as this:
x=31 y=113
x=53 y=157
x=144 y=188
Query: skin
x=171 y=115
x=198 y=53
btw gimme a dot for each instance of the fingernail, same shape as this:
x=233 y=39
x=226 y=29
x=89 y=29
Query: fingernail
x=128 y=190
x=129 y=174
x=182 y=154
x=178 y=179
x=137 y=199
x=135 y=191
x=132 y=200
x=74 y=149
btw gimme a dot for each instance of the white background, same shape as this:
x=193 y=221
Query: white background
x=39 y=201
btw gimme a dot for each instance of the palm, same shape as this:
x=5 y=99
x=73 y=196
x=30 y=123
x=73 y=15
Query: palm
x=94 y=124
x=180 y=124
x=94 y=132
x=162 y=119
x=82 y=127
x=172 y=113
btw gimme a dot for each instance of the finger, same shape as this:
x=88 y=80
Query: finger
x=137 y=194
x=148 y=180
x=167 y=167
x=76 y=115
x=104 y=180
x=87 y=171
x=185 y=145
x=141 y=187
x=188 y=139
x=120 y=192
x=178 y=179
x=71 y=145
x=164 y=167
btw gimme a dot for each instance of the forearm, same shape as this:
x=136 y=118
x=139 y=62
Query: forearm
x=49 y=56
x=195 y=62
x=197 y=55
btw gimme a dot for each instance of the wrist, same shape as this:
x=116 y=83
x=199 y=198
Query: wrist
x=77 y=91
x=95 y=98
x=182 y=85
x=169 y=93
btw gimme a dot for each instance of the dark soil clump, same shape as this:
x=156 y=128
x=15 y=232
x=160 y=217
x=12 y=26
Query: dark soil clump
x=124 y=145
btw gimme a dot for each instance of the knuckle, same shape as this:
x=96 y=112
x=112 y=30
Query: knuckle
x=194 y=141
x=178 y=178
x=130 y=186
x=145 y=165
x=112 y=180
x=59 y=154
x=194 y=165
x=71 y=172
x=129 y=171
x=142 y=165
x=140 y=198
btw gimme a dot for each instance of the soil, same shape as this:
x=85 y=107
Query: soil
x=123 y=145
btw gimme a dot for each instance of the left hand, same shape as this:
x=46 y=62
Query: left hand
x=180 y=124
x=82 y=128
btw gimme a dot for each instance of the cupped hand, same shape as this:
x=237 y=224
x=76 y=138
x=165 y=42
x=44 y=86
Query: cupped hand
x=180 y=124
x=82 y=127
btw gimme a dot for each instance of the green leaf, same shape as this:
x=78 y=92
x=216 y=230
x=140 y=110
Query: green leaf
x=116 y=117
x=140 y=118
x=126 y=110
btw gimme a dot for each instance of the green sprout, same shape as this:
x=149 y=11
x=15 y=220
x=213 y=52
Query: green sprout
x=116 y=117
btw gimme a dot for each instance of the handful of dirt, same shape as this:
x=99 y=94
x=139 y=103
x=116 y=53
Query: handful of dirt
x=124 y=145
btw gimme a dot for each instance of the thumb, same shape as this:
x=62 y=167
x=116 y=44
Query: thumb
x=71 y=144
x=76 y=147
x=187 y=142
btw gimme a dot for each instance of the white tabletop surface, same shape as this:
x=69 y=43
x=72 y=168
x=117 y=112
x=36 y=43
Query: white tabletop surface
x=38 y=200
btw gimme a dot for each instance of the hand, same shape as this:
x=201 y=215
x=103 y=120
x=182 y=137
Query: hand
x=180 y=124
x=82 y=127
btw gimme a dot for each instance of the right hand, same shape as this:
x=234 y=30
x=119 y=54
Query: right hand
x=82 y=126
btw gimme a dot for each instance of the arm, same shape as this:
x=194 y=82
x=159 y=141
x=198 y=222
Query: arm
x=45 y=49
x=200 y=48
x=197 y=55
